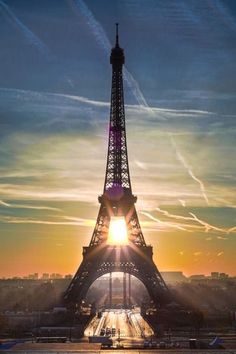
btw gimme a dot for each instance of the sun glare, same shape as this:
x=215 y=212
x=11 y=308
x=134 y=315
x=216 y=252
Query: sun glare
x=117 y=231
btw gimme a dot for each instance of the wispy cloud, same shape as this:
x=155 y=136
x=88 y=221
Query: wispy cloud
x=27 y=33
x=221 y=9
x=52 y=108
x=4 y=203
x=46 y=194
x=166 y=224
x=182 y=202
x=232 y=229
x=220 y=254
x=39 y=95
x=222 y=238
x=22 y=220
x=183 y=161
x=140 y=164
x=197 y=253
x=103 y=41
x=206 y=226
x=27 y=206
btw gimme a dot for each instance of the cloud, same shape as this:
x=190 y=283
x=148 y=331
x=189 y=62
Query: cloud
x=206 y=226
x=27 y=33
x=220 y=254
x=181 y=158
x=22 y=220
x=140 y=164
x=221 y=9
x=47 y=194
x=182 y=202
x=232 y=229
x=37 y=111
x=165 y=224
x=4 y=203
x=104 y=43
x=27 y=206
x=48 y=97
x=198 y=253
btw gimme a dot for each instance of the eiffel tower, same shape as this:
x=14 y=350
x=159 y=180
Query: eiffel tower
x=117 y=201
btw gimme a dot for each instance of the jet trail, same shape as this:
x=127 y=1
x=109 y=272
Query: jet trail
x=232 y=229
x=27 y=33
x=172 y=225
x=190 y=172
x=4 y=203
x=27 y=206
x=174 y=216
x=104 y=43
x=224 y=13
x=206 y=225
x=19 y=220
x=193 y=217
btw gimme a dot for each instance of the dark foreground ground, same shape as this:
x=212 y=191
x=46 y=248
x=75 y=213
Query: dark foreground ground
x=89 y=348
x=78 y=348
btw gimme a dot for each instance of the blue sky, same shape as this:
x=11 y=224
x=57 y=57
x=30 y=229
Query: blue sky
x=180 y=93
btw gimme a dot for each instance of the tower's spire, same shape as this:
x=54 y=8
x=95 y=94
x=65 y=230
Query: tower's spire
x=117 y=34
x=117 y=54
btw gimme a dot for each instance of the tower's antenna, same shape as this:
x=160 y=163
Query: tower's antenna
x=117 y=34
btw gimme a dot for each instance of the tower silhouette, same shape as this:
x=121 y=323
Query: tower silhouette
x=117 y=200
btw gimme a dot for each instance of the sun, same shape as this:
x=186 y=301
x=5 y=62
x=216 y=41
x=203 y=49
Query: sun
x=117 y=231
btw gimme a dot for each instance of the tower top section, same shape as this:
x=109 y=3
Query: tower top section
x=117 y=58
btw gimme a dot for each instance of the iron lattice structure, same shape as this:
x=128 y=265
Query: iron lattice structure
x=117 y=200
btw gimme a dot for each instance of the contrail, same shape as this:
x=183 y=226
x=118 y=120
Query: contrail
x=27 y=33
x=104 y=43
x=175 y=226
x=189 y=170
x=27 y=206
x=207 y=226
x=182 y=202
x=19 y=220
x=4 y=203
x=193 y=217
x=174 y=216
x=224 y=13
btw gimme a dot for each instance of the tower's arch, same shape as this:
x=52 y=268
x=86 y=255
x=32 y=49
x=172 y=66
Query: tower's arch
x=117 y=290
x=130 y=259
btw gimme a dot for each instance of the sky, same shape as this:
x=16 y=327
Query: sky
x=180 y=91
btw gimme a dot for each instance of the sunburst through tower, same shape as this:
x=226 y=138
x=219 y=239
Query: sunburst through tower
x=117 y=231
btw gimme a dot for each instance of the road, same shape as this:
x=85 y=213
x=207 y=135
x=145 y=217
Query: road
x=121 y=325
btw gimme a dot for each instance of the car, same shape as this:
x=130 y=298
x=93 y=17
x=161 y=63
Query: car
x=162 y=345
x=153 y=344
x=146 y=344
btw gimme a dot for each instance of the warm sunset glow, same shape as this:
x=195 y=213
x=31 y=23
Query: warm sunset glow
x=117 y=231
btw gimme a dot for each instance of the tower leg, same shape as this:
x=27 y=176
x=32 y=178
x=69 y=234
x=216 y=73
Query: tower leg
x=124 y=290
x=129 y=290
x=110 y=290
